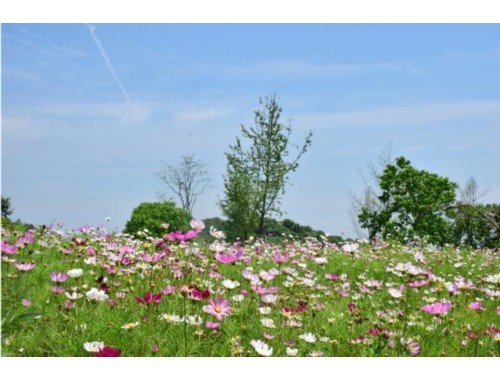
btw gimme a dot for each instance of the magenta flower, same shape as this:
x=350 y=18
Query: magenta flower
x=169 y=289
x=212 y=325
x=149 y=298
x=437 y=308
x=59 y=276
x=198 y=295
x=57 y=289
x=107 y=352
x=25 y=266
x=218 y=308
x=228 y=258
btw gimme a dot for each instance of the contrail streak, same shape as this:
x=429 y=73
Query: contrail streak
x=91 y=29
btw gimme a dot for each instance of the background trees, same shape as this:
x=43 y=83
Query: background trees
x=7 y=209
x=257 y=176
x=153 y=215
x=186 y=180
x=415 y=204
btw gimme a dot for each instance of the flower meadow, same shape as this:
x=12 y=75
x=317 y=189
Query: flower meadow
x=85 y=292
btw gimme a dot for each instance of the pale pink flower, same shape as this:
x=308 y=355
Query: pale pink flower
x=25 y=266
x=59 y=276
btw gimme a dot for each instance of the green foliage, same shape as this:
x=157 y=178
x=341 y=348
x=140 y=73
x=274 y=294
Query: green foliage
x=415 y=204
x=257 y=176
x=152 y=215
x=7 y=209
x=477 y=225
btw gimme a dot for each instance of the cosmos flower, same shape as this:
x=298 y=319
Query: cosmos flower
x=268 y=322
x=24 y=267
x=93 y=346
x=197 y=224
x=292 y=351
x=97 y=295
x=108 y=352
x=262 y=348
x=308 y=337
x=75 y=272
x=130 y=325
x=396 y=293
x=476 y=306
x=228 y=258
x=149 y=298
x=58 y=276
x=437 y=308
x=220 y=308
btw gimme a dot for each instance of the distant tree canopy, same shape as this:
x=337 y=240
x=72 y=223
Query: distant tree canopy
x=275 y=230
x=414 y=204
x=7 y=209
x=153 y=215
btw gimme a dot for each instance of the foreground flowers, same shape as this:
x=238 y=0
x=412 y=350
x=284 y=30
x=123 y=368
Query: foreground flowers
x=106 y=352
x=97 y=295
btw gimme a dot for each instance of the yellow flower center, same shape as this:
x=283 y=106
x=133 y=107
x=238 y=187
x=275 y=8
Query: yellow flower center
x=218 y=309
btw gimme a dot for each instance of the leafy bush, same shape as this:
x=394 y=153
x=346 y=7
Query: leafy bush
x=152 y=215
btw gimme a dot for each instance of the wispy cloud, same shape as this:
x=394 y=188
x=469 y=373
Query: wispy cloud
x=204 y=113
x=286 y=68
x=403 y=116
x=91 y=29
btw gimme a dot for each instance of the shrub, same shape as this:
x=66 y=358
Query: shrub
x=152 y=215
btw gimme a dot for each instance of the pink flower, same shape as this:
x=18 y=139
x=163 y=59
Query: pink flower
x=212 y=325
x=26 y=302
x=169 y=289
x=25 y=266
x=59 y=276
x=278 y=258
x=476 y=306
x=437 y=308
x=149 y=298
x=228 y=258
x=412 y=346
x=7 y=248
x=417 y=284
x=218 y=308
x=57 y=289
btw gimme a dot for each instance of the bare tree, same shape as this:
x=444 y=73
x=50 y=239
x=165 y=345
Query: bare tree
x=470 y=194
x=369 y=198
x=186 y=180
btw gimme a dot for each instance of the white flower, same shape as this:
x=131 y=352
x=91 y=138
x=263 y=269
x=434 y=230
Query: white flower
x=321 y=260
x=262 y=348
x=308 y=337
x=267 y=322
x=93 y=346
x=216 y=234
x=130 y=325
x=90 y=260
x=97 y=295
x=230 y=284
x=292 y=351
x=172 y=318
x=350 y=247
x=75 y=272
x=194 y=320
x=264 y=310
x=238 y=298
x=396 y=293
x=73 y=296
x=197 y=224
x=269 y=298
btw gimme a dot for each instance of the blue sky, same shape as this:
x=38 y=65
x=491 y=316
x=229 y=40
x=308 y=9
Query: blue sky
x=90 y=111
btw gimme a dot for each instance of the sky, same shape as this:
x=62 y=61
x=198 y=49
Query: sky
x=90 y=111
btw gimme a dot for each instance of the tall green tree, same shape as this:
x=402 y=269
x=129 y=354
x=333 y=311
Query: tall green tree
x=257 y=176
x=415 y=204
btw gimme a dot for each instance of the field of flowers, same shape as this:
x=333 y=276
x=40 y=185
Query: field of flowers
x=87 y=293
